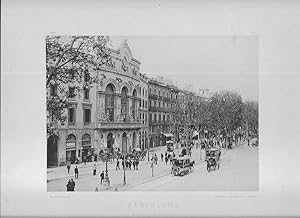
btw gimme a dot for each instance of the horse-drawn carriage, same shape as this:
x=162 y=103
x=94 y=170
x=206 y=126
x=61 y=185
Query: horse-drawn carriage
x=213 y=159
x=182 y=166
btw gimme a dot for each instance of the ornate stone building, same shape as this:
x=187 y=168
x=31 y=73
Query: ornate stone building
x=112 y=114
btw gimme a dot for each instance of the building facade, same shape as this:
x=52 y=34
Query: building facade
x=143 y=112
x=112 y=114
x=162 y=103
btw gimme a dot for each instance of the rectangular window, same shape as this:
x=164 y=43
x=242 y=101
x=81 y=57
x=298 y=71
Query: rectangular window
x=86 y=94
x=150 y=117
x=87 y=116
x=71 y=116
x=159 y=119
x=146 y=104
x=71 y=92
x=155 y=118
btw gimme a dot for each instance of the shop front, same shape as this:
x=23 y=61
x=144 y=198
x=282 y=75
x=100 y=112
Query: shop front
x=87 y=155
x=71 y=148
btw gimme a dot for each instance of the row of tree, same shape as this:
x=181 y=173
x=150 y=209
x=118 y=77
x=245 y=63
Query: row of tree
x=223 y=110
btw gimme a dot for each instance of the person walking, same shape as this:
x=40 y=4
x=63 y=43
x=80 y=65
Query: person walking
x=133 y=163
x=118 y=165
x=101 y=177
x=162 y=157
x=76 y=172
x=94 y=170
x=166 y=159
x=69 y=166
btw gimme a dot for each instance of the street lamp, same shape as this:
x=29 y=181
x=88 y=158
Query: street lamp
x=105 y=158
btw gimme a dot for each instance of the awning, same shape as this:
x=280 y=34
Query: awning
x=168 y=134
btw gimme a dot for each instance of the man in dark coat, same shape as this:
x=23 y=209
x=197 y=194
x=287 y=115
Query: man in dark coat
x=76 y=172
x=72 y=185
x=102 y=177
x=69 y=188
x=137 y=164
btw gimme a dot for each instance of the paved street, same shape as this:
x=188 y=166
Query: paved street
x=238 y=171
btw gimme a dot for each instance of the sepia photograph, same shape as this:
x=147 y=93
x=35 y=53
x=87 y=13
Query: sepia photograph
x=155 y=108
x=152 y=113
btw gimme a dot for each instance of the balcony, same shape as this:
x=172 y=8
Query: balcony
x=120 y=122
x=119 y=125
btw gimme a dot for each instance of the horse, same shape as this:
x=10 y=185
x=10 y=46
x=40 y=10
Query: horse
x=211 y=162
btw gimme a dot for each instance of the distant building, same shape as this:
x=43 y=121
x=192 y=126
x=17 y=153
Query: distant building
x=204 y=93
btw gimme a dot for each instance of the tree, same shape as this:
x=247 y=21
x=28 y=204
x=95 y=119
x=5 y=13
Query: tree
x=225 y=110
x=250 y=115
x=70 y=60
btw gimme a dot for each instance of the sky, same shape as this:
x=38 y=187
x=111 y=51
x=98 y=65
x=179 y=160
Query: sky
x=216 y=63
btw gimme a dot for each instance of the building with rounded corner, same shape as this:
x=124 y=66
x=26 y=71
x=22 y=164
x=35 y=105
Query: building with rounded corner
x=112 y=114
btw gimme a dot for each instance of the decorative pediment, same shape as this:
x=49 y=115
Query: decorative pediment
x=125 y=64
x=134 y=71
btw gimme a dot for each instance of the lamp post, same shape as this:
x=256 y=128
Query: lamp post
x=105 y=158
x=124 y=168
x=81 y=154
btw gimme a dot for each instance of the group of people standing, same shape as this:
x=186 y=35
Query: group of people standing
x=128 y=163
x=71 y=185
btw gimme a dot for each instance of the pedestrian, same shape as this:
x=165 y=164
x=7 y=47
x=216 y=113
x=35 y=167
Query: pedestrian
x=94 y=169
x=69 y=166
x=166 y=159
x=129 y=164
x=137 y=164
x=162 y=157
x=102 y=177
x=118 y=165
x=133 y=163
x=72 y=185
x=123 y=164
x=69 y=188
x=76 y=172
x=248 y=140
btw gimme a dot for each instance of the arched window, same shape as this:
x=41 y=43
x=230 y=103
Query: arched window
x=109 y=102
x=71 y=138
x=86 y=139
x=124 y=103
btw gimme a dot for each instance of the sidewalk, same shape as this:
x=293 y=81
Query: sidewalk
x=61 y=172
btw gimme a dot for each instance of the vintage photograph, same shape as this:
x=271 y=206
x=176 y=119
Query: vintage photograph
x=129 y=113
